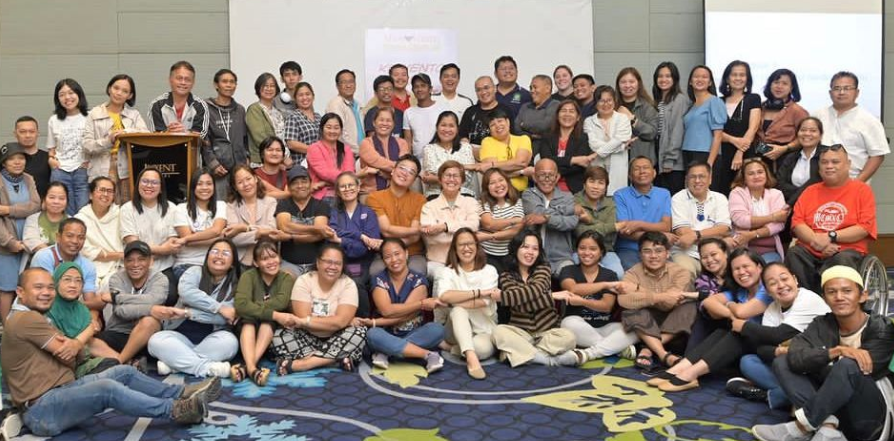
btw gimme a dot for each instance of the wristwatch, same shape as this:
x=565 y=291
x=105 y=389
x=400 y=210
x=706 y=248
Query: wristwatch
x=833 y=236
x=698 y=235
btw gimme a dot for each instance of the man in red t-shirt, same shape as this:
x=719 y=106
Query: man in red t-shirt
x=834 y=221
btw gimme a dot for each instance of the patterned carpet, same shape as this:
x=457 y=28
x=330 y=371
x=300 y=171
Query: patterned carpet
x=603 y=400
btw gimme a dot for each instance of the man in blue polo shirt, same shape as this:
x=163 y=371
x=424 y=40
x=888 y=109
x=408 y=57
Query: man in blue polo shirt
x=509 y=93
x=69 y=242
x=641 y=207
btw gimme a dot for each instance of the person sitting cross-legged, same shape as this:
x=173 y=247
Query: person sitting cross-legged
x=43 y=386
x=836 y=373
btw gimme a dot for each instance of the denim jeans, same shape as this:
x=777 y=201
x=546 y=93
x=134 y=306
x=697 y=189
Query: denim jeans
x=613 y=262
x=628 y=258
x=761 y=374
x=122 y=388
x=176 y=351
x=771 y=257
x=296 y=270
x=427 y=336
x=76 y=183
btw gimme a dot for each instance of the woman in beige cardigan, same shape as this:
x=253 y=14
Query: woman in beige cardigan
x=104 y=123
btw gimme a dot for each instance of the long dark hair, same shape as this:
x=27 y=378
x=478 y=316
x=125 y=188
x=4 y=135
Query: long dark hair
x=133 y=87
x=712 y=89
x=795 y=95
x=162 y=192
x=191 y=201
x=516 y=243
x=674 y=91
x=339 y=146
x=60 y=111
x=723 y=247
x=228 y=285
x=737 y=253
x=578 y=127
x=725 y=88
x=456 y=139
x=453 y=257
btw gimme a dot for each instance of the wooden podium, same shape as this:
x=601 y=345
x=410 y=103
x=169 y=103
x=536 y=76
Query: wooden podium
x=174 y=154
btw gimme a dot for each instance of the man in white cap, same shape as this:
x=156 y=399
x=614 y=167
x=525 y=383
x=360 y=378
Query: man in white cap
x=836 y=371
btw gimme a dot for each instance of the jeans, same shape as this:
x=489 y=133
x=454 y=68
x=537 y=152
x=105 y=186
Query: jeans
x=761 y=374
x=613 y=262
x=628 y=259
x=122 y=388
x=76 y=183
x=771 y=257
x=844 y=392
x=296 y=270
x=176 y=351
x=427 y=336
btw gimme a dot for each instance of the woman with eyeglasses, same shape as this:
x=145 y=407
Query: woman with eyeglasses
x=199 y=221
x=149 y=217
x=262 y=305
x=609 y=134
x=400 y=297
x=466 y=286
x=262 y=118
x=781 y=114
x=380 y=151
x=443 y=216
x=324 y=331
x=533 y=334
x=447 y=146
x=103 y=245
x=203 y=343
x=505 y=151
x=357 y=231
x=758 y=211
x=743 y=110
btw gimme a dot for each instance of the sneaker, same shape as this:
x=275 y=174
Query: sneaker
x=207 y=390
x=827 y=433
x=219 y=369
x=779 y=432
x=629 y=353
x=743 y=388
x=190 y=410
x=162 y=368
x=11 y=426
x=433 y=362
x=380 y=360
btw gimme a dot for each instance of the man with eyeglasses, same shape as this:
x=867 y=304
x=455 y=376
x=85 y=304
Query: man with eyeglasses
x=178 y=111
x=383 y=88
x=305 y=220
x=133 y=308
x=550 y=211
x=345 y=106
x=508 y=90
x=473 y=127
x=697 y=213
x=852 y=126
x=833 y=220
x=399 y=210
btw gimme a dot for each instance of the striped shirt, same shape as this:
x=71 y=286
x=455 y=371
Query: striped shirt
x=530 y=301
x=505 y=211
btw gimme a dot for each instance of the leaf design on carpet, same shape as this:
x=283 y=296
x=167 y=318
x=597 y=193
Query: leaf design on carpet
x=246 y=426
x=406 y=434
x=247 y=389
x=402 y=374
x=625 y=404
x=713 y=428
x=635 y=435
x=614 y=362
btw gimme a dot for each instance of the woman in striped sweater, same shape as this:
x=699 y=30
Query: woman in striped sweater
x=533 y=333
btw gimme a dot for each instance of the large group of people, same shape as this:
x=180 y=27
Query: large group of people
x=690 y=232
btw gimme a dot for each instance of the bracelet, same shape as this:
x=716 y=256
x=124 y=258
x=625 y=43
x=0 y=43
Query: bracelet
x=307 y=321
x=374 y=323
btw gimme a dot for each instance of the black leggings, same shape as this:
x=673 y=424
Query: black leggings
x=721 y=349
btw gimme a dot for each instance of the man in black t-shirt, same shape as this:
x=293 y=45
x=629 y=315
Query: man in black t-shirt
x=305 y=220
x=474 y=125
x=37 y=161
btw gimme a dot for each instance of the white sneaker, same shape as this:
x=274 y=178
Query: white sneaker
x=11 y=426
x=433 y=362
x=162 y=368
x=380 y=360
x=219 y=369
x=629 y=353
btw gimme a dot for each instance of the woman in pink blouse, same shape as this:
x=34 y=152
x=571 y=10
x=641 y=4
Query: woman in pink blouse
x=329 y=157
x=758 y=211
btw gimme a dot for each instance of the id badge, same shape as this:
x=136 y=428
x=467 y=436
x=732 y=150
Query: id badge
x=320 y=308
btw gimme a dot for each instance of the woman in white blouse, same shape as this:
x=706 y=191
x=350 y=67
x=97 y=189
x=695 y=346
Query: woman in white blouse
x=198 y=221
x=446 y=146
x=610 y=136
x=150 y=217
x=466 y=285
x=103 y=245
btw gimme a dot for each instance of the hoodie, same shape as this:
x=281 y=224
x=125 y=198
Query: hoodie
x=227 y=140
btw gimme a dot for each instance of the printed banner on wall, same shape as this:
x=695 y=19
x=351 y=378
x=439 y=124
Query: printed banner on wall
x=421 y=50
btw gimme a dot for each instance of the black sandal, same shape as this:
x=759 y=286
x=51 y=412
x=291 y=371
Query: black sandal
x=668 y=355
x=237 y=373
x=644 y=362
x=284 y=366
x=259 y=376
x=347 y=365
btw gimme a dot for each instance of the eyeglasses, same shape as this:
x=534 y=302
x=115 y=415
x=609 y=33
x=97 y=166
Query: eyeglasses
x=833 y=147
x=697 y=177
x=150 y=182
x=469 y=245
x=329 y=262
x=408 y=170
x=106 y=190
x=217 y=252
x=547 y=176
x=839 y=89
x=452 y=176
x=385 y=89
x=653 y=251
x=605 y=102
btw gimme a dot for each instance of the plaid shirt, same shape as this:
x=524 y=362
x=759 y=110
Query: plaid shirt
x=300 y=128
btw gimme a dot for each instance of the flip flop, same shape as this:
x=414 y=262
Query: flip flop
x=283 y=366
x=237 y=373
